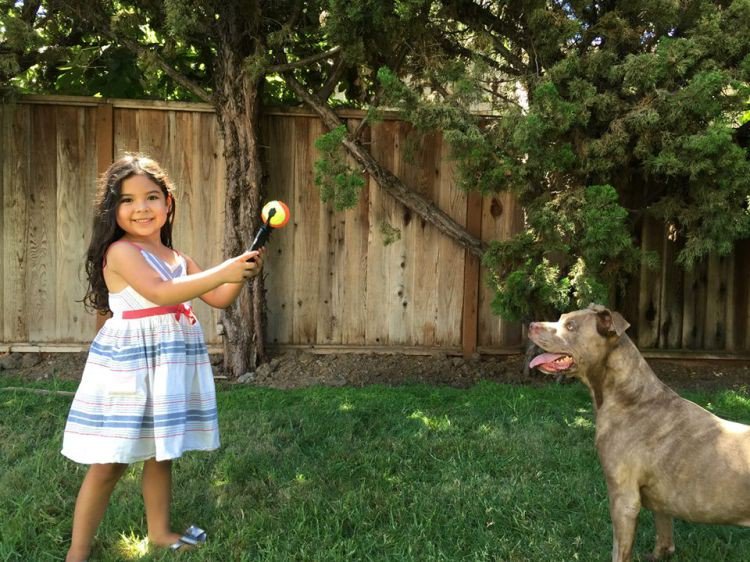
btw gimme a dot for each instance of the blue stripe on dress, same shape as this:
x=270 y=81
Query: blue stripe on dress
x=157 y=264
x=145 y=422
x=125 y=354
x=161 y=266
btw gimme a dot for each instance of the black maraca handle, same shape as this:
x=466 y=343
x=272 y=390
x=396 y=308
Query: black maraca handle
x=261 y=238
x=263 y=233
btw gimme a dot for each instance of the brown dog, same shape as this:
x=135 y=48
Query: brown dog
x=657 y=450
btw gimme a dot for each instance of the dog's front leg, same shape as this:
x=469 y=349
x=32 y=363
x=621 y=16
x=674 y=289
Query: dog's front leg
x=624 y=507
x=664 y=539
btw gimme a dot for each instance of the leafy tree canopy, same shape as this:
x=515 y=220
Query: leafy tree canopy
x=601 y=113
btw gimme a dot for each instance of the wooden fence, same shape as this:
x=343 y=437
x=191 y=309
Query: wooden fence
x=331 y=282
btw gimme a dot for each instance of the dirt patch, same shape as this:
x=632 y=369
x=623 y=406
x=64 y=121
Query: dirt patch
x=299 y=369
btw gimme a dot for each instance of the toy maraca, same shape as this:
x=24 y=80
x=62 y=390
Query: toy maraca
x=275 y=214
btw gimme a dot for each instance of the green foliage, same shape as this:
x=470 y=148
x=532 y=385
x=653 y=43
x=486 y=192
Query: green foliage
x=630 y=110
x=63 y=48
x=337 y=182
x=575 y=251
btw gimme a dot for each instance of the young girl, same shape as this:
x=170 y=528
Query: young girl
x=147 y=391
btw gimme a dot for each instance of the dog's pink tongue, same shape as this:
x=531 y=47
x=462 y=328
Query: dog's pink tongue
x=544 y=358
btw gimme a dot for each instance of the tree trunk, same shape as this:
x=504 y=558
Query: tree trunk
x=387 y=180
x=237 y=101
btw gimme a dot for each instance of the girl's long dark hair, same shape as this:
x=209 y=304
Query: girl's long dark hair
x=106 y=230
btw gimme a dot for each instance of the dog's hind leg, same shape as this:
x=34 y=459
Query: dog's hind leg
x=624 y=508
x=664 y=539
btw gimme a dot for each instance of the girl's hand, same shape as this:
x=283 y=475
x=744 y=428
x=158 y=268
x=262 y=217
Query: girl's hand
x=242 y=267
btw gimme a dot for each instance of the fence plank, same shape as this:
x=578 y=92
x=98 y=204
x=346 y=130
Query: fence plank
x=741 y=296
x=125 y=132
x=718 y=318
x=5 y=149
x=279 y=137
x=16 y=203
x=76 y=176
x=152 y=129
x=396 y=259
x=471 y=279
x=452 y=258
x=414 y=285
x=502 y=218
x=423 y=243
x=378 y=297
x=104 y=142
x=352 y=270
x=306 y=262
x=511 y=333
x=671 y=302
x=652 y=234
x=207 y=202
x=694 y=311
x=41 y=272
x=327 y=247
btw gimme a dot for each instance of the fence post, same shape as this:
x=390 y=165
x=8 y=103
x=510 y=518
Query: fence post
x=470 y=316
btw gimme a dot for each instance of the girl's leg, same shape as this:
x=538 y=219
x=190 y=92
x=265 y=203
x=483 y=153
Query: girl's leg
x=91 y=504
x=157 y=498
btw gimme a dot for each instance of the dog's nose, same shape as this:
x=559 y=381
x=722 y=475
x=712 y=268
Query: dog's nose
x=534 y=327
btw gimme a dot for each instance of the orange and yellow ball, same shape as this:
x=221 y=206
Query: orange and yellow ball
x=280 y=217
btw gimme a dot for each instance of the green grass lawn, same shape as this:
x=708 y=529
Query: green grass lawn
x=421 y=473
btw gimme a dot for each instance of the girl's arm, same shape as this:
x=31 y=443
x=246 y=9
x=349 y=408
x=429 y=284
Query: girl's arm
x=225 y=294
x=126 y=266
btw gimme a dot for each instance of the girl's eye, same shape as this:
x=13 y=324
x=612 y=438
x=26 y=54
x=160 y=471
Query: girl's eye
x=153 y=197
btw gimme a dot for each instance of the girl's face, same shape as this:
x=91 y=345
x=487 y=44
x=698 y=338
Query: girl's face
x=142 y=208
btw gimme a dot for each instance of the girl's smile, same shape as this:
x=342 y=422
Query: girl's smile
x=142 y=208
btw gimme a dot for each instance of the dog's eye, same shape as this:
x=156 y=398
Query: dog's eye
x=570 y=326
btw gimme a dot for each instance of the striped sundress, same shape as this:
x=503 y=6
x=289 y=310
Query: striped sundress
x=147 y=389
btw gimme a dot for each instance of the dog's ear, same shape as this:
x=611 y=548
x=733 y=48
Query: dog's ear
x=610 y=323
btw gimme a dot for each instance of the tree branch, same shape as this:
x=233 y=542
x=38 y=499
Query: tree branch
x=387 y=180
x=336 y=73
x=304 y=62
x=454 y=48
x=164 y=65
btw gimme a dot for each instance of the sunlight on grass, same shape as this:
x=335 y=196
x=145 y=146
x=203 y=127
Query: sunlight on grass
x=580 y=421
x=300 y=478
x=734 y=399
x=131 y=475
x=220 y=482
x=394 y=479
x=431 y=423
x=132 y=547
x=346 y=407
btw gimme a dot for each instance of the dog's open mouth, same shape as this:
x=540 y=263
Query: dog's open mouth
x=552 y=362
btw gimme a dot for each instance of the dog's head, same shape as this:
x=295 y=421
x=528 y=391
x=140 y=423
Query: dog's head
x=578 y=341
